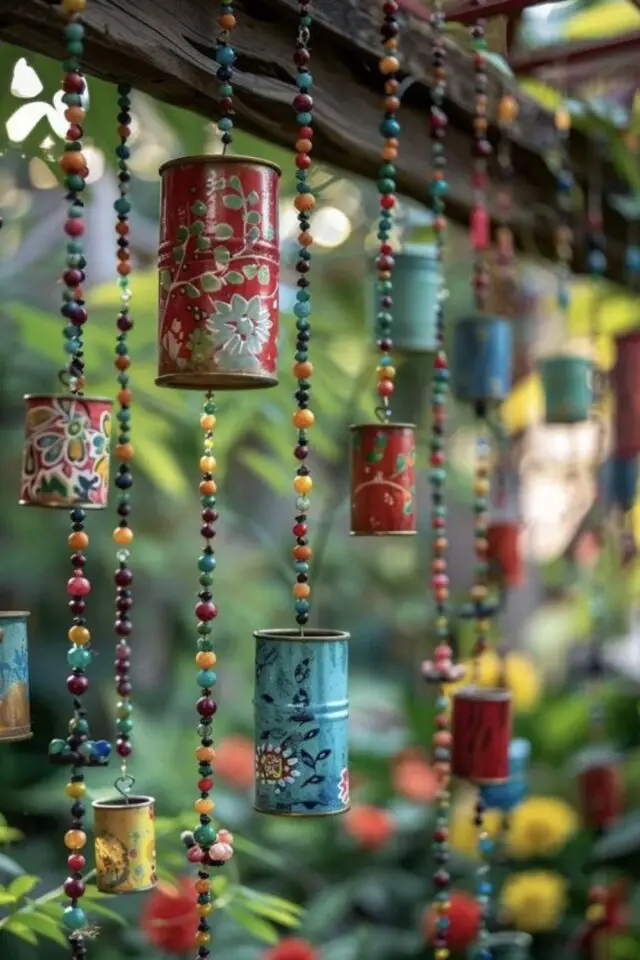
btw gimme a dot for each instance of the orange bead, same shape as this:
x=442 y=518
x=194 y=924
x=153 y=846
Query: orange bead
x=73 y=161
x=391 y=85
x=303 y=370
x=302 y=553
x=508 y=109
x=79 y=635
x=123 y=536
x=208 y=488
x=205 y=754
x=301 y=590
x=124 y=451
x=74 y=115
x=125 y=397
x=227 y=21
x=389 y=65
x=562 y=119
x=123 y=255
x=75 y=839
x=204 y=806
x=122 y=228
x=440 y=544
x=305 y=239
x=303 y=485
x=303 y=418
x=304 y=201
x=78 y=540
x=386 y=373
x=206 y=659
x=389 y=152
x=202 y=886
x=208 y=464
x=304 y=145
x=122 y=363
x=124 y=269
x=391 y=104
x=207 y=421
x=124 y=132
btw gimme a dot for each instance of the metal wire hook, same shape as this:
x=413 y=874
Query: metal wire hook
x=124 y=785
x=382 y=413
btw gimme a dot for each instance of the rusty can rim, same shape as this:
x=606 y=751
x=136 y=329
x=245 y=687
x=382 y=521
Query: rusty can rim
x=5 y=614
x=124 y=803
x=218 y=158
x=296 y=635
x=383 y=426
x=65 y=396
x=474 y=692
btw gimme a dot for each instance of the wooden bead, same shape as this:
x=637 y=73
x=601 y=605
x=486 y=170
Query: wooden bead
x=73 y=161
x=304 y=201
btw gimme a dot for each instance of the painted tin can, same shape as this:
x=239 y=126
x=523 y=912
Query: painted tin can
x=510 y=794
x=125 y=844
x=506 y=945
x=66 y=452
x=15 y=721
x=482 y=358
x=567 y=386
x=504 y=553
x=600 y=786
x=624 y=481
x=481 y=730
x=626 y=391
x=219 y=272
x=301 y=713
x=383 y=479
x=416 y=283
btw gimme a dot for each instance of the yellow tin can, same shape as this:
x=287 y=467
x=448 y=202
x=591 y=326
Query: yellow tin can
x=125 y=844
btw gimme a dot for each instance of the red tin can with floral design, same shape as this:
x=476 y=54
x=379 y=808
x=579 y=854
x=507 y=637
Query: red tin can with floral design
x=626 y=391
x=219 y=273
x=481 y=731
x=66 y=451
x=383 y=479
x=504 y=553
x=600 y=786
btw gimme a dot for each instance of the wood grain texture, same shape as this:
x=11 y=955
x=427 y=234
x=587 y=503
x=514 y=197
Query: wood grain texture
x=166 y=48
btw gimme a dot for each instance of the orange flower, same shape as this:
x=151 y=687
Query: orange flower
x=291 y=949
x=413 y=776
x=371 y=827
x=235 y=761
x=464 y=921
x=170 y=917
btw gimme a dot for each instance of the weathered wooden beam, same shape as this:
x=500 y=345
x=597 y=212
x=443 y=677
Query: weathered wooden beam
x=166 y=48
x=566 y=55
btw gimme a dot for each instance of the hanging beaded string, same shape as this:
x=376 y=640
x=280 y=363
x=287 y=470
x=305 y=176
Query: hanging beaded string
x=123 y=534
x=441 y=669
x=74 y=165
x=507 y=114
x=225 y=58
x=389 y=66
x=479 y=223
x=564 y=186
x=303 y=418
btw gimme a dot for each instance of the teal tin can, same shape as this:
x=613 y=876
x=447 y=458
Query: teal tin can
x=15 y=720
x=623 y=482
x=416 y=286
x=482 y=357
x=301 y=711
x=567 y=385
x=507 y=945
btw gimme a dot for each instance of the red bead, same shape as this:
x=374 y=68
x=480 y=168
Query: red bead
x=206 y=610
x=385 y=263
x=74 y=132
x=303 y=161
x=443 y=652
x=78 y=586
x=300 y=529
x=73 y=888
x=74 y=227
x=74 y=83
x=195 y=854
x=438 y=523
x=123 y=748
x=72 y=277
x=386 y=249
x=440 y=362
x=437 y=458
x=207 y=531
x=76 y=862
x=123 y=577
x=440 y=580
x=302 y=103
x=123 y=651
x=387 y=201
x=479 y=179
x=305 y=133
x=205 y=785
x=479 y=228
x=206 y=707
x=385 y=388
x=77 y=685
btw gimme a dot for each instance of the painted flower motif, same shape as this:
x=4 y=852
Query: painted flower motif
x=275 y=765
x=244 y=325
x=62 y=436
x=343 y=786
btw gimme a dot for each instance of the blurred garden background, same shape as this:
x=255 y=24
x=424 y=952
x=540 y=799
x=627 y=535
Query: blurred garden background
x=337 y=889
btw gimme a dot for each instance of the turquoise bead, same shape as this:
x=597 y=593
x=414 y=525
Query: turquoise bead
x=390 y=127
x=226 y=90
x=74 y=48
x=74 y=918
x=302 y=567
x=225 y=55
x=302 y=606
x=206 y=678
x=122 y=206
x=304 y=81
x=56 y=747
x=225 y=124
x=74 y=31
x=205 y=834
x=207 y=562
x=304 y=119
x=79 y=657
x=125 y=726
x=205 y=645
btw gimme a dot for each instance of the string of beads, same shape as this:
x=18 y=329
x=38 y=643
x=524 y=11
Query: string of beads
x=74 y=166
x=226 y=58
x=123 y=451
x=479 y=223
x=389 y=66
x=564 y=187
x=507 y=114
x=439 y=544
x=303 y=418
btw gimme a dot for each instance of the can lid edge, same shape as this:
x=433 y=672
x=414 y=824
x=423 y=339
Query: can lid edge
x=218 y=158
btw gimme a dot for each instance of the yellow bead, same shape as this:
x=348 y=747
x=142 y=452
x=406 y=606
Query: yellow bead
x=441 y=623
x=204 y=909
x=204 y=806
x=205 y=659
x=443 y=906
x=207 y=421
x=122 y=536
x=73 y=6
x=202 y=938
x=442 y=954
x=562 y=119
x=75 y=790
x=386 y=373
x=75 y=839
x=303 y=419
x=79 y=636
x=481 y=487
x=303 y=484
x=507 y=109
x=207 y=464
x=596 y=912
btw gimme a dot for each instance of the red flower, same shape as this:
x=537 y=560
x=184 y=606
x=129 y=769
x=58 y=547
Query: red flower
x=170 y=917
x=235 y=761
x=464 y=921
x=413 y=776
x=291 y=949
x=371 y=827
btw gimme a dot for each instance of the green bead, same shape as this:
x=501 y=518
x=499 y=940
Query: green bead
x=75 y=48
x=125 y=726
x=56 y=747
x=73 y=918
x=79 y=657
x=71 y=65
x=387 y=170
x=205 y=646
x=209 y=501
x=205 y=628
x=210 y=407
x=74 y=31
x=386 y=185
x=205 y=835
x=205 y=579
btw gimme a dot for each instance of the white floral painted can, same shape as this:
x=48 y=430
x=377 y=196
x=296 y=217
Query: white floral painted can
x=301 y=722
x=219 y=274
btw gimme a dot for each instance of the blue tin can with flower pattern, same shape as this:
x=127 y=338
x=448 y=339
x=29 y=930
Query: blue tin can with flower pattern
x=15 y=721
x=301 y=722
x=481 y=359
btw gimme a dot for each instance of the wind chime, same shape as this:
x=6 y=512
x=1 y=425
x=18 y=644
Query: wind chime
x=301 y=673
x=482 y=348
x=383 y=454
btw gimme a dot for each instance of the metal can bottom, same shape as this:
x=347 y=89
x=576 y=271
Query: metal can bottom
x=215 y=381
x=16 y=734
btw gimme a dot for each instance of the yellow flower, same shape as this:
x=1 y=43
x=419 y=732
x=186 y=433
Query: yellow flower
x=520 y=673
x=463 y=833
x=540 y=827
x=534 y=901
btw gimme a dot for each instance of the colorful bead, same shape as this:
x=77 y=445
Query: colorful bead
x=225 y=58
